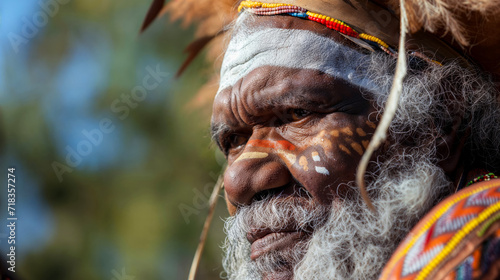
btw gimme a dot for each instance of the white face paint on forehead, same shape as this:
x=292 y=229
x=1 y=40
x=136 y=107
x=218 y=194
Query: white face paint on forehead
x=292 y=48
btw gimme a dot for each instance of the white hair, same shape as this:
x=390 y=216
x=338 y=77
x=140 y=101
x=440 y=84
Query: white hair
x=349 y=241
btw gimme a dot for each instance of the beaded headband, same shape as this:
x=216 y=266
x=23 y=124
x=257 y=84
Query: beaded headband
x=268 y=9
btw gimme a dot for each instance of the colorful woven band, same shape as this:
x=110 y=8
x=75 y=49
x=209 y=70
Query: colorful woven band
x=267 y=9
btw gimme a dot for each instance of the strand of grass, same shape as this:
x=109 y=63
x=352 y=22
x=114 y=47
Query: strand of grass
x=389 y=110
x=208 y=221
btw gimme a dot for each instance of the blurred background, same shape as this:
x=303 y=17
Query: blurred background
x=113 y=165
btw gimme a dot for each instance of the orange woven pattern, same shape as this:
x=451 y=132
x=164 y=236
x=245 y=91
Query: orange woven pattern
x=471 y=211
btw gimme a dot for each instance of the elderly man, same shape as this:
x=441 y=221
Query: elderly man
x=302 y=89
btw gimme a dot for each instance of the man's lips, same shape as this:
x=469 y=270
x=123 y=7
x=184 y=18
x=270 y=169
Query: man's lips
x=265 y=241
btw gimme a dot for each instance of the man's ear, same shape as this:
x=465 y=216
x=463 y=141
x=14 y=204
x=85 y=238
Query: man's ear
x=449 y=148
x=230 y=207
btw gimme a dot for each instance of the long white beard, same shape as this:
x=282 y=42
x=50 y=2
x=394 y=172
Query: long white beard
x=353 y=243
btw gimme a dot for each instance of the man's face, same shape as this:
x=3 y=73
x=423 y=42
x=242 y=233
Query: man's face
x=283 y=129
x=290 y=132
x=288 y=129
x=295 y=111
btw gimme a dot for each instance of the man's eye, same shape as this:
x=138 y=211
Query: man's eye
x=298 y=114
x=234 y=141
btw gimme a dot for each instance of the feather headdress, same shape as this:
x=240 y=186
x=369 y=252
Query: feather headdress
x=212 y=19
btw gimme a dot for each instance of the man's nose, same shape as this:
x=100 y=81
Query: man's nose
x=258 y=169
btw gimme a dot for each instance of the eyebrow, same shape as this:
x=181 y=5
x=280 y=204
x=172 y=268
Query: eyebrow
x=291 y=97
x=218 y=129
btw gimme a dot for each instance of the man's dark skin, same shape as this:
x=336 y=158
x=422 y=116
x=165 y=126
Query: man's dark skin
x=290 y=131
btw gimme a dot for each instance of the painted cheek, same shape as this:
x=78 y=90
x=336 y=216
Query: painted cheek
x=331 y=158
x=315 y=172
x=313 y=158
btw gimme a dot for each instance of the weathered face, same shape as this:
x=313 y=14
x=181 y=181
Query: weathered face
x=288 y=129
x=290 y=132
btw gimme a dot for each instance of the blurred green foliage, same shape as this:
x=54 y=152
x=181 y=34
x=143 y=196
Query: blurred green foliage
x=120 y=207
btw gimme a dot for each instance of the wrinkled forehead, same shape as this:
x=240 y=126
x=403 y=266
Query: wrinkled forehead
x=292 y=43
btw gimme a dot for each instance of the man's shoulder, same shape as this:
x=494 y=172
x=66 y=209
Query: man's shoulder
x=458 y=239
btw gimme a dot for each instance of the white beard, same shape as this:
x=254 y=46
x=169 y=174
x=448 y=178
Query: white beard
x=354 y=243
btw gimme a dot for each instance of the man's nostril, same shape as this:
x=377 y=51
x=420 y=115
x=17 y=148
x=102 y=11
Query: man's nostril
x=263 y=195
x=290 y=189
x=268 y=193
